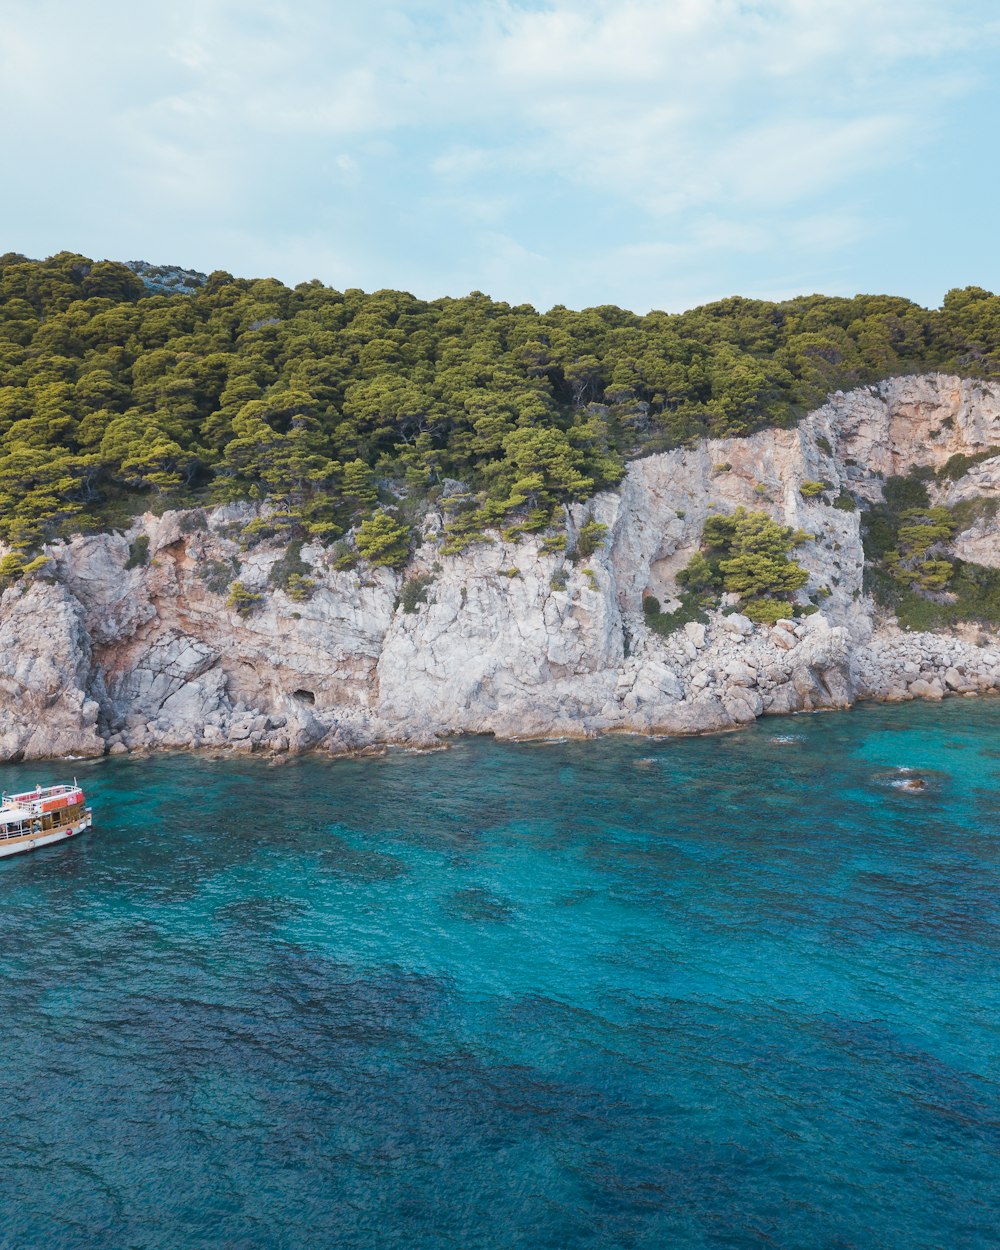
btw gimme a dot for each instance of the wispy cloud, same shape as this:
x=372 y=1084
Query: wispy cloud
x=610 y=146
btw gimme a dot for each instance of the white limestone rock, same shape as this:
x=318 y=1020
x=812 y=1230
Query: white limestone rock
x=45 y=654
x=737 y=624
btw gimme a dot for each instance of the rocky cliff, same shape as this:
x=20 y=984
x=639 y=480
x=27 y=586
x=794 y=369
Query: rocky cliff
x=511 y=641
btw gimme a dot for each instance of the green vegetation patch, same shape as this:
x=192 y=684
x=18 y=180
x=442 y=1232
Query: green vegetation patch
x=218 y=574
x=384 y=540
x=692 y=608
x=414 y=592
x=589 y=538
x=746 y=554
x=958 y=465
x=242 y=599
x=333 y=405
x=845 y=501
x=910 y=565
x=138 y=552
x=290 y=573
x=809 y=490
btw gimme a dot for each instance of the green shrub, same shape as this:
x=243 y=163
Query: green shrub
x=138 y=552
x=750 y=553
x=11 y=568
x=968 y=511
x=463 y=523
x=384 y=541
x=958 y=465
x=300 y=588
x=456 y=541
x=558 y=580
x=699 y=575
x=217 y=574
x=933 y=575
x=974 y=595
x=766 y=611
x=824 y=445
x=811 y=489
x=692 y=608
x=554 y=542
x=193 y=521
x=37 y=565
x=344 y=557
x=260 y=529
x=901 y=493
x=290 y=573
x=414 y=592
x=746 y=554
x=242 y=599
x=590 y=536
x=845 y=502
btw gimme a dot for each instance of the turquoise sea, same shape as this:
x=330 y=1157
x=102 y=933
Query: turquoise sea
x=735 y=991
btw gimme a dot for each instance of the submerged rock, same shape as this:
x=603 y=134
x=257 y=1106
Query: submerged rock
x=911 y=785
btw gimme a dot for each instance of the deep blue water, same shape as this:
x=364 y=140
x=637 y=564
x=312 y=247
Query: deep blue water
x=725 y=992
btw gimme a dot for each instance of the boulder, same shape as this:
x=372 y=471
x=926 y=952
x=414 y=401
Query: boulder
x=738 y=624
x=923 y=689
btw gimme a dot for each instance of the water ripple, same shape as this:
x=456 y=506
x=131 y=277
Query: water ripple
x=728 y=992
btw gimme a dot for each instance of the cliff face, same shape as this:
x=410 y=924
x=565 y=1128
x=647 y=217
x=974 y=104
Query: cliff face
x=510 y=641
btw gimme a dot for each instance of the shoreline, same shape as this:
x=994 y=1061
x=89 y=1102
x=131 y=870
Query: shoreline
x=382 y=748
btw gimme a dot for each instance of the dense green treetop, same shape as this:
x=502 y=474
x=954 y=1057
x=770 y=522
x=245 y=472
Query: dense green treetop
x=336 y=405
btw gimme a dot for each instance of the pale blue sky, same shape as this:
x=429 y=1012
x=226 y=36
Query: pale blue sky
x=647 y=153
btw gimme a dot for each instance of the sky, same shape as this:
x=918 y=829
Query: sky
x=645 y=153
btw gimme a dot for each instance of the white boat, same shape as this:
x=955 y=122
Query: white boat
x=42 y=816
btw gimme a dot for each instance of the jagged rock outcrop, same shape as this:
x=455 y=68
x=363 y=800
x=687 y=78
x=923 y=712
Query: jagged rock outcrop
x=510 y=640
x=45 y=666
x=167 y=279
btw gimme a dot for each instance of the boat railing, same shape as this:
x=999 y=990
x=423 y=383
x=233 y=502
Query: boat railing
x=42 y=794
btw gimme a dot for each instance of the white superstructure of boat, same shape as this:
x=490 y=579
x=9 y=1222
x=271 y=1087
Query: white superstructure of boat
x=42 y=816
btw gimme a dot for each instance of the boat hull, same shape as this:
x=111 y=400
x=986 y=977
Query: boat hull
x=30 y=841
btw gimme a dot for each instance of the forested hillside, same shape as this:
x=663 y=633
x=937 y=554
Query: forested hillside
x=345 y=408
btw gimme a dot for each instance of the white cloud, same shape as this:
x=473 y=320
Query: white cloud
x=712 y=128
x=678 y=105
